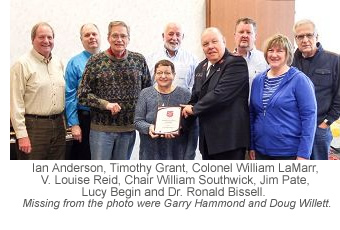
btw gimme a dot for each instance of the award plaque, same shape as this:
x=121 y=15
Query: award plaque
x=168 y=120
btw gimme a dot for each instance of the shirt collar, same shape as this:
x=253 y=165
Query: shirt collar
x=87 y=53
x=167 y=53
x=40 y=57
x=209 y=64
x=249 y=53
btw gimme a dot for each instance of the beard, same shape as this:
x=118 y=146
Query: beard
x=171 y=47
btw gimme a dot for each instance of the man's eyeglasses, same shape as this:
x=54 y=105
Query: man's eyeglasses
x=117 y=36
x=302 y=36
x=161 y=73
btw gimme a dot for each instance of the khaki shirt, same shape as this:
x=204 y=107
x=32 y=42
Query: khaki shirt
x=37 y=87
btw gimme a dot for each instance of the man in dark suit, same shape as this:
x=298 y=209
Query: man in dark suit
x=220 y=100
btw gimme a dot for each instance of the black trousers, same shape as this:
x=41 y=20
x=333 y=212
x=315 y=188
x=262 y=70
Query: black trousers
x=81 y=150
x=235 y=154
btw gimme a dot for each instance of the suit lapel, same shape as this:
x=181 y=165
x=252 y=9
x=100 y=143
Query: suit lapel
x=203 y=74
x=214 y=69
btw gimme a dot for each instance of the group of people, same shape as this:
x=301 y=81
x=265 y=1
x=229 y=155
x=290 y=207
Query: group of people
x=274 y=104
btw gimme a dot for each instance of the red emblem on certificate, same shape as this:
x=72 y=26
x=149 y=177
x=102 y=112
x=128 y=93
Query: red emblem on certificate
x=169 y=113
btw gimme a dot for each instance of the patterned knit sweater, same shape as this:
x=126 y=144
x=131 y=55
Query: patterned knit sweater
x=110 y=80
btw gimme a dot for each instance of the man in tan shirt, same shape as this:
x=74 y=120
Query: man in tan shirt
x=38 y=99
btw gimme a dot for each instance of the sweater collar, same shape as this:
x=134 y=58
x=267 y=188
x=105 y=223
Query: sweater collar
x=113 y=57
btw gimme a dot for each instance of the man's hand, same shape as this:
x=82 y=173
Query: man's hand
x=25 y=145
x=323 y=125
x=301 y=158
x=187 y=110
x=76 y=132
x=114 y=108
x=252 y=154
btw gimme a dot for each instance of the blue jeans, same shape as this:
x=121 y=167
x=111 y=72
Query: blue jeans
x=322 y=143
x=111 y=145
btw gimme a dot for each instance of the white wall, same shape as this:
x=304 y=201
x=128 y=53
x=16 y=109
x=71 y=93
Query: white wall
x=146 y=19
x=325 y=14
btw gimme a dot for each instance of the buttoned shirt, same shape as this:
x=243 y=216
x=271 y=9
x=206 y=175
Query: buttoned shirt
x=37 y=87
x=185 y=64
x=256 y=64
x=73 y=75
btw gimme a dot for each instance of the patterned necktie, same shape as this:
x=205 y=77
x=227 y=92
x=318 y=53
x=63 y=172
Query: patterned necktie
x=209 y=70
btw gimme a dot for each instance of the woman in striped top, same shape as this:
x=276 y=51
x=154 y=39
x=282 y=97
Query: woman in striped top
x=282 y=107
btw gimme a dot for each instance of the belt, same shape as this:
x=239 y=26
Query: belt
x=49 y=117
x=83 y=112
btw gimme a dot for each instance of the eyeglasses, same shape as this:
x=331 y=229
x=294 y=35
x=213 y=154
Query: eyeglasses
x=165 y=73
x=302 y=36
x=117 y=36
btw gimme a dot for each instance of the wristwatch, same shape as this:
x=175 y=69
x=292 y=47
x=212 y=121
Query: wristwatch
x=327 y=122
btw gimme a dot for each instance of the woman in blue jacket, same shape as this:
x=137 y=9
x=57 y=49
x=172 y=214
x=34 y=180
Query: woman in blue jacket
x=282 y=107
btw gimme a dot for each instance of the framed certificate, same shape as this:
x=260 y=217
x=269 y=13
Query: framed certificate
x=168 y=120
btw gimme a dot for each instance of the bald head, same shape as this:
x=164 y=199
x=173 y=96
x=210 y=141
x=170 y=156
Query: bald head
x=90 y=37
x=213 y=44
x=213 y=30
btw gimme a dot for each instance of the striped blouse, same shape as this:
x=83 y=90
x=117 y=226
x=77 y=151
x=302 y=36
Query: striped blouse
x=270 y=86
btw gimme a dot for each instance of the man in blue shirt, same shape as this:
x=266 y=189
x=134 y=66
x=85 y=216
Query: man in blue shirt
x=78 y=116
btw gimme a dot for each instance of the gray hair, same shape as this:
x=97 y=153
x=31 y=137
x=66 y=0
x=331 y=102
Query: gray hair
x=305 y=22
x=118 y=23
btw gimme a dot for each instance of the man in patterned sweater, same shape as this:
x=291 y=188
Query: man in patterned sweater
x=111 y=84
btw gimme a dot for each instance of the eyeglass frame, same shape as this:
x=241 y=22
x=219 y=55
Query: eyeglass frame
x=309 y=36
x=116 y=36
x=164 y=73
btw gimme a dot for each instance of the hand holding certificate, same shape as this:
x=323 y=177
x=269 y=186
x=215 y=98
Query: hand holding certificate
x=168 y=120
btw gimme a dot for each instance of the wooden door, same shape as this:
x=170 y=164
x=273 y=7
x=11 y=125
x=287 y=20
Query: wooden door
x=271 y=16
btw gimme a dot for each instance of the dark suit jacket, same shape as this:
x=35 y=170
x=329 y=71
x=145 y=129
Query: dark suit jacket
x=220 y=100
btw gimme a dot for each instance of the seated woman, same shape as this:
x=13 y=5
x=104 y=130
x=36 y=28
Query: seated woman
x=167 y=146
x=282 y=107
